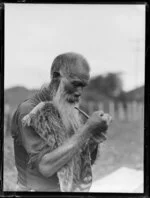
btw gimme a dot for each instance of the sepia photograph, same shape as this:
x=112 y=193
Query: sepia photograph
x=74 y=78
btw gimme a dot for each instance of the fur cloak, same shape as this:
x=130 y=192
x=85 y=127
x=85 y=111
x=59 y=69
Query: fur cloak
x=76 y=175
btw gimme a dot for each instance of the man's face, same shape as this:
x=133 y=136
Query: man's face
x=75 y=83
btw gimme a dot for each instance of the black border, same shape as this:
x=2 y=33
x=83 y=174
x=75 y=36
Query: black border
x=1 y=91
x=146 y=106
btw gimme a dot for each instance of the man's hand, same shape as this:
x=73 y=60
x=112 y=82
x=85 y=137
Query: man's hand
x=98 y=122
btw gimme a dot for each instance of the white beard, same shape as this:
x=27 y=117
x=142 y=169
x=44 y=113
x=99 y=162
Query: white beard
x=70 y=115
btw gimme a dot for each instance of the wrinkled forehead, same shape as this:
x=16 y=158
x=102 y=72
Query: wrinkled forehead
x=77 y=71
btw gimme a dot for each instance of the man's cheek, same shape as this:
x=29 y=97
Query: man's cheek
x=69 y=89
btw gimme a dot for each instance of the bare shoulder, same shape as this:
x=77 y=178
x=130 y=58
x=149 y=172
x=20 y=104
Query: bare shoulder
x=25 y=107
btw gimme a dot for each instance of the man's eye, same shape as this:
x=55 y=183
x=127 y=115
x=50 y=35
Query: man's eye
x=78 y=84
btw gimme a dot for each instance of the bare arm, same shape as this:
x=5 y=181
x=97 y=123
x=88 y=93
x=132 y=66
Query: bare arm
x=53 y=161
x=47 y=159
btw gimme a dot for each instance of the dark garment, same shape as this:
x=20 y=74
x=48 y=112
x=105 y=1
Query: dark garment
x=28 y=149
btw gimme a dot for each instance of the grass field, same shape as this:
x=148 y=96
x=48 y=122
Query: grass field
x=123 y=147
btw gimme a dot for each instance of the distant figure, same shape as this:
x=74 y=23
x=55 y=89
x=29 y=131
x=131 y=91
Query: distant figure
x=54 y=149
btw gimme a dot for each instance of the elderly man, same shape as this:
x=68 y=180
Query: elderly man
x=66 y=167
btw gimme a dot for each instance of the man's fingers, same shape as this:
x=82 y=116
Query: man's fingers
x=107 y=118
x=101 y=113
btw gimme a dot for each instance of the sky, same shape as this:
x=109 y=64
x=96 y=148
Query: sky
x=110 y=37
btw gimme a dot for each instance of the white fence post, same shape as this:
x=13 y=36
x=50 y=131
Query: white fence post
x=90 y=107
x=141 y=109
x=133 y=112
x=6 y=119
x=112 y=109
x=129 y=111
x=121 y=113
x=101 y=106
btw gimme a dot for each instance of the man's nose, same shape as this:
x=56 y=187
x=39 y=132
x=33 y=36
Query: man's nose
x=78 y=92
